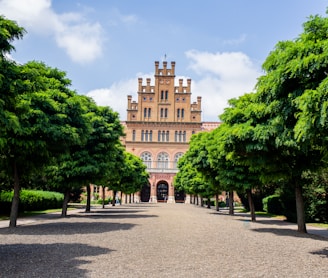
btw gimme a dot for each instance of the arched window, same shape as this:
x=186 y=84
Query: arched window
x=151 y=136
x=182 y=113
x=162 y=160
x=176 y=159
x=149 y=112
x=145 y=112
x=146 y=136
x=146 y=158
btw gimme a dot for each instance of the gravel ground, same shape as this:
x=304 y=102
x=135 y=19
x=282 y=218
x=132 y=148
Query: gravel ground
x=160 y=240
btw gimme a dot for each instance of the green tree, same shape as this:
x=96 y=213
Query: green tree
x=277 y=137
x=133 y=174
x=44 y=107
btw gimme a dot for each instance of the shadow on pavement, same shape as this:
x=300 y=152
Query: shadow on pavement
x=46 y=260
x=322 y=253
x=67 y=228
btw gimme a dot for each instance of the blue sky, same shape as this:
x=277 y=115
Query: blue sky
x=105 y=45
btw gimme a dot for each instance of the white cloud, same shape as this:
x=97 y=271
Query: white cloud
x=116 y=96
x=222 y=76
x=81 y=39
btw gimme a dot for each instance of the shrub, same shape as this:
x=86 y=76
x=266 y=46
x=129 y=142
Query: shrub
x=32 y=200
x=272 y=204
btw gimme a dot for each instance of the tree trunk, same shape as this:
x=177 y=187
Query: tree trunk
x=15 y=201
x=251 y=204
x=103 y=197
x=231 y=209
x=114 y=198
x=65 y=204
x=217 y=207
x=88 y=206
x=300 y=209
x=208 y=203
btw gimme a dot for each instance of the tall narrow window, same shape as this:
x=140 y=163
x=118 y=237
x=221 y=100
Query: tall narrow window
x=162 y=112
x=162 y=95
x=162 y=160
x=146 y=158
x=151 y=136
x=165 y=113
x=146 y=136
x=180 y=136
x=167 y=136
x=178 y=113
x=145 y=112
x=133 y=135
x=163 y=136
x=159 y=136
x=182 y=113
x=149 y=112
x=166 y=95
x=184 y=136
x=142 y=135
x=176 y=136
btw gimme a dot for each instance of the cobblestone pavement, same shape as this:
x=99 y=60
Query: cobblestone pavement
x=160 y=240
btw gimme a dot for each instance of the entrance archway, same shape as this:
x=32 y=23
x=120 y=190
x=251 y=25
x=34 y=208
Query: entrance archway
x=145 y=193
x=162 y=191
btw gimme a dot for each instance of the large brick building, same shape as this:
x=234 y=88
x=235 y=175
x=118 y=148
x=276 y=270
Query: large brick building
x=158 y=128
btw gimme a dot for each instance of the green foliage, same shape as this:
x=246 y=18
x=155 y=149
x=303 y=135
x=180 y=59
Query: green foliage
x=272 y=204
x=32 y=200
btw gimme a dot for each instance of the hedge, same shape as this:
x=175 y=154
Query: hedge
x=32 y=200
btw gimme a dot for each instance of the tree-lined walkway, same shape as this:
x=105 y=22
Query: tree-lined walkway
x=160 y=240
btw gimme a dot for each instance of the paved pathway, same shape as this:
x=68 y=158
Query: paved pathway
x=160 y=240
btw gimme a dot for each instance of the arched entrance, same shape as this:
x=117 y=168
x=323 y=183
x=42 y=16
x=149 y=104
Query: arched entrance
x=145 y=193
x=162 y=191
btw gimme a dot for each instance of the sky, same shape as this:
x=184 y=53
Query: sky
x=104 y=46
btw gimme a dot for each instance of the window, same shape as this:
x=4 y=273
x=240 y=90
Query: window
x=162 y=95
x=162 y=112
x=145 y=112
x=165 y=115
x=180 y=136
x=167 y=136
x=151 y=136
x=146 y=136
x=146 y=158
x=149 y=112
x=159 y=136
x=163 y=136
x=166 y=95
x=162 y=160
x=142 y=135
x=182 y=113
x=178 y=113
x=133 y=135
x=176 y=159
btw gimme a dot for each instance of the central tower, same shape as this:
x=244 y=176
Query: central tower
x=158 y=128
